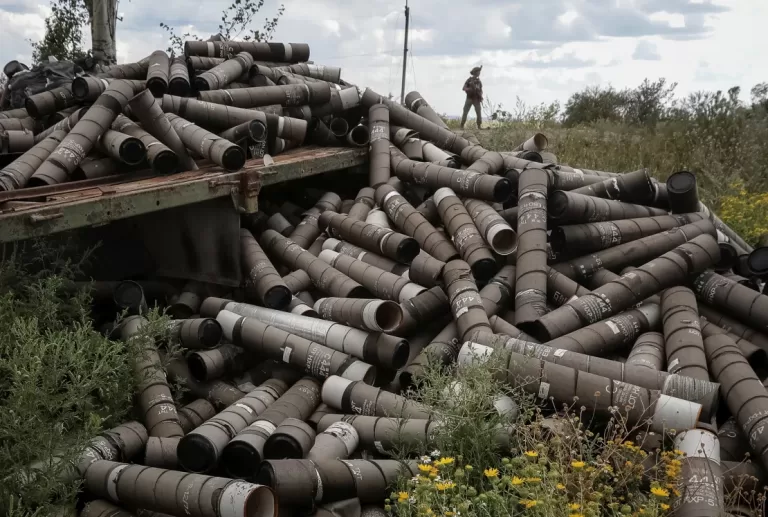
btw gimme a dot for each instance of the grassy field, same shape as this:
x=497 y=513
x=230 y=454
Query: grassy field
x=729 y=157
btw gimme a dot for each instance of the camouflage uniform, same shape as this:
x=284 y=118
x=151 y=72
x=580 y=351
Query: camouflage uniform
x=474 y=89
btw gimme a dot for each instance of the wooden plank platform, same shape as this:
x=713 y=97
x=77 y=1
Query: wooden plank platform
x=41 y=211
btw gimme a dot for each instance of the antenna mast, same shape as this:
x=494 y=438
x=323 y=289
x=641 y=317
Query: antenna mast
x=405 y=53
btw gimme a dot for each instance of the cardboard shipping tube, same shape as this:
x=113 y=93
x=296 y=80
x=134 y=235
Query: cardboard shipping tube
x=384 y=434
x=308 y=229
x=466 y=237
x=62 y=162
x=273 y=342
x=154 y=395
x=633 y=187
x=389 y=243
x=160 y=157
x=222 y=74
x=741 y=302
x=611 y=335
x=414 y=224
x=150 y=114
x=16 y=174
x=683 y=192
x=733 y=326
x=242 y=455
x=196 y=333
x=371 y=315
x=416 y=103
x=368 y=257
x=422 y=309
x=497 y=233
x=163 y=491
x=44 y=103
x=380 y=283
x=87 y=89
x=219 y=393
x=561 y=289
x=259 y=50
x=195 y=413
x=531 y=281
x=550 y=381
x=261 y=277
x=361 y=398
x=363 y=202
x=668 y=270
x=580 y=208
x=742 y=390
x=161 y=453
x=683 y=343
x=12 y=142
x=328 y=279
x=585 y=238
x=633 y=253
x=293 y=438
x=702 y=392
x=702 y=492
x=537 y=142
x=358 y=136
x=158 y=72
x=122 y=147
x=337 y=440
x=219 y=150
x=648 y=352
x=298 y=281
x=465 y=182
x=216 y=363
x=200 y=450
x=426 y=270
x=375 y=348
x=280 y=224
x=178 y=75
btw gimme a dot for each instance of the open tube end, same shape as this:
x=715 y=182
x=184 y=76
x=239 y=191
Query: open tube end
x=502 y=239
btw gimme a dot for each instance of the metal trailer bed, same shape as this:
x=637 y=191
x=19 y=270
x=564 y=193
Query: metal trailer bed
x=35 y=212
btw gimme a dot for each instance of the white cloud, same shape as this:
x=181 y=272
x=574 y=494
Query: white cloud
x=539 y=51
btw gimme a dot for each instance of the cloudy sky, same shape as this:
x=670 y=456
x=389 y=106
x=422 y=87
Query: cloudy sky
x=538 y=50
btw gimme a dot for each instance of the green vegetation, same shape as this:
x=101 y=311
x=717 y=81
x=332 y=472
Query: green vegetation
x=61 y=382
x=553 y=461
x=712 y=134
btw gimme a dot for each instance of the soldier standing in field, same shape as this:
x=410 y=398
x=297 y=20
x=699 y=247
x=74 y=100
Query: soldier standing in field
x=474 y=90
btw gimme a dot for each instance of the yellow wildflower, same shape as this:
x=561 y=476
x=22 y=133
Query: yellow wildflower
x=560 y=486
x=577 y=515
x=676 y=492
x=577 y=464
x=517 y=481
x=628 y=463
x=402 y=496
x=446 y=485
x=574 y=506
x=468 y=467
x=628 y=443
x=533 y=480
x=444 y=461
x=449 y=514
x=664 y=506
x=491 y=473
x=425 y=468
x=532 y=454
x=528 y=503
x=660 y=492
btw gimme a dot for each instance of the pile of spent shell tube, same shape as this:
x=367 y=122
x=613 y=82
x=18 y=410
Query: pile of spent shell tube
x=580 y=282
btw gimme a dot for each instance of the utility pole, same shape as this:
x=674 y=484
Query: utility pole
x=405 y=52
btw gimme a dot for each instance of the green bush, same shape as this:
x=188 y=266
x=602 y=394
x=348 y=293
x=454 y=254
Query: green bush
x=61 y=382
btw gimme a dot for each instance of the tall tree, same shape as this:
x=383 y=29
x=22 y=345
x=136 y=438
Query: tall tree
x=236 y=22
x=63 y=37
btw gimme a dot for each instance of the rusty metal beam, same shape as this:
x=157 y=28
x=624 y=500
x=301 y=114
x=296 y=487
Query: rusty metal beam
x=86 y=205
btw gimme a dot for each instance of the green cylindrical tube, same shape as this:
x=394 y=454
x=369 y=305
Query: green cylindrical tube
x=16 y=174
x=466 y=304
x=363 y=399
x=579 y=208
x=178 y=78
